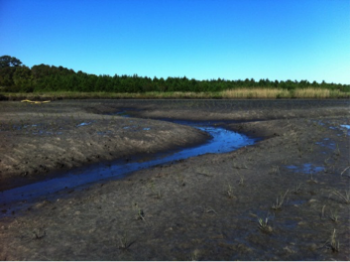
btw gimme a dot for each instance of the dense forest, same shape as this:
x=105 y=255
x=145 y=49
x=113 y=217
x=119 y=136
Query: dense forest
x=16 y=77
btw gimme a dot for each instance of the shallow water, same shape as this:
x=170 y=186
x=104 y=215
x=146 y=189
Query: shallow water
x=222 y=141
x=346 y=127
x=85 y=124
x=306 y=168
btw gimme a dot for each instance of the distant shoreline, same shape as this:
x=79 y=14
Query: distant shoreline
x=239 y=93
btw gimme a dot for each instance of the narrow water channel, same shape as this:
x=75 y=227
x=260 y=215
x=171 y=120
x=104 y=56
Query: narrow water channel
x=222 y=141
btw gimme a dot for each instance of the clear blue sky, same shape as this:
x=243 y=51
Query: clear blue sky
x=202 y=39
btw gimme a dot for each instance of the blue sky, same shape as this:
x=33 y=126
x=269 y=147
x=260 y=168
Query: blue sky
x=202 y=39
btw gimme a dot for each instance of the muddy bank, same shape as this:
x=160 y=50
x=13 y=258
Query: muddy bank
x=16 y=200
x=212 y=207
x=36 y=140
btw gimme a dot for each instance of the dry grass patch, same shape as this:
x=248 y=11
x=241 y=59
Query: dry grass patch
x=319 y=93
x=267 y=93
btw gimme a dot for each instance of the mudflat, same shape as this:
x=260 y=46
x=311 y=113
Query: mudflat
x=286 y=197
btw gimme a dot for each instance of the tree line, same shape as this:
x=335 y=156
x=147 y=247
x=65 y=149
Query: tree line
x=16 y=77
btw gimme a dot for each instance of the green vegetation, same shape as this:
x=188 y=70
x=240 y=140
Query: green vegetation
x=263 y=225
x=18 y=81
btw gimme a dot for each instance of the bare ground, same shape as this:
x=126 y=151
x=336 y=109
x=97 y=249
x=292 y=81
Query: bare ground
x=212 y=207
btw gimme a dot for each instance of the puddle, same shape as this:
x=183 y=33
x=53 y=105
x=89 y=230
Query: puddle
x=125 y=111
x=306 y=168
x=297 y=202
x=122 y=113
x=327 y=143
x=290 y=224
x=222 y=141
x=34 y=129
x=346 y=128
x=103 y=133
x=42 y=132
x=20 y=127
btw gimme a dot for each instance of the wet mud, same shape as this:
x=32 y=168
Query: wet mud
x=285 y=197
x=19 y=198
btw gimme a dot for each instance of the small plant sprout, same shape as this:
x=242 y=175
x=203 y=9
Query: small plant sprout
x=275 y=170
x=125 y=244
x=39 y=234
x=334 y=216
x=140 y=215
x=337 y=151
x=297 y=189
x=323 y=209
x=312 y=180
x=241 y=180
x=230 y=191
x=345 y=197
x=344 y=170
x=311 y=148
x=279 y=201
x=333 y=243
x=242 y=166
x=210 y=210
x=263 y=225
x=157 y=193
x=195 y=255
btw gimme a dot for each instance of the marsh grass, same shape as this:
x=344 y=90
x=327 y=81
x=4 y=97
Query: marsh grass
x=237 y=93
x=318 y=93
x=265 y=93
